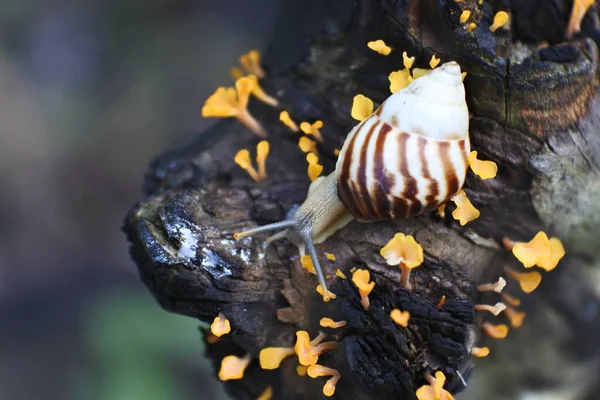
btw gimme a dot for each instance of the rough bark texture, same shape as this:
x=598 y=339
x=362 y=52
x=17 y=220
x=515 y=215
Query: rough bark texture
x=535 y=112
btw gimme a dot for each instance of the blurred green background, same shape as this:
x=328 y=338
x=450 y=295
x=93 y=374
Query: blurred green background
x=90 y=92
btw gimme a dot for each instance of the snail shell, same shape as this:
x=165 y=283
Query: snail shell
x=409 y=156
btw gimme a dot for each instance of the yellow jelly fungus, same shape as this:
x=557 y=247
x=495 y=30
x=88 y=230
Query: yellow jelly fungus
x=336 y=152
x=361 y=278
x=307 y=145
x=510 y=300
x=483 y=169
x=308 y=351
x=266 y=395
x=233 y=367
x=236 y=73
x=307 y=264
x=464 y=16
x=420 y=72
x=465 y=211
x=284 y=117
x=260 y=94
x=441 y=302
x=314 y=168
x=330 y=256
x=493 y=287
x=471 y=27
x=529 y=281
x=514 y=317
x=399 y=80
x=362 y=107
x=242 y=158
x=400 y=317
x=441 y=210
x=230 y=102
x=262 y=151
x=435 y=389
x=380 y=47
x=301 y=370
x=540 y=251
x=434 y=61
x=407 y=61
x=315 y=371
x=271 y=357
x=496 y=309
x=251 y=63
x=463 y=75
x=329 y=323
x=578 y=11
x=330 y=294
x=313 y=129
x=500 y=19
x=480 y=352
x=212 y=339
x=353 y=269
x=403 y=250
x=495 y=331
x=340 y=274
x=220 y=326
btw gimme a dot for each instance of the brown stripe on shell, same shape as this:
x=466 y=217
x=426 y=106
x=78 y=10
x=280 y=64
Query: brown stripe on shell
x=450 y=173
x=384 y=180
x=410 y=187
x=433 y=189
x=368 y=211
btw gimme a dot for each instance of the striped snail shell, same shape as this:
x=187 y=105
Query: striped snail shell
x=410 y=156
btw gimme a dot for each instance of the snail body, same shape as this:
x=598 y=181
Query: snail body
x=405 y=159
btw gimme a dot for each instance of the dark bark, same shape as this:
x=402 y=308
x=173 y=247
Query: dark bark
x=534 y=112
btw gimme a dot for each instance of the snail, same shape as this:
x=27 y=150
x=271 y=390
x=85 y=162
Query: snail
x=405 y=159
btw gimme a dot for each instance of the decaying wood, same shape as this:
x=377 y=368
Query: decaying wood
x=535 y=111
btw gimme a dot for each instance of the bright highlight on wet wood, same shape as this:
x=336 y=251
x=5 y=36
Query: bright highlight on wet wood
x=250 y=61
x=480 y=352
x=361 y=278
x=435 y=389
x=284 y=117
x=434 y=61
x=495 y=331
x=316 y=371
x=242 y=158
x=380 y=47
x=271 y=357
x=578 y=11
x=233 y=367
x=362 y=107
x=329 y=323
x=500 y=19
x=481 y=168
x=541 y=251
x=400 y=317
x=403 y=250
x=314 y=168
x=220 y=325
x=408 y=61
x=529 y=281
x=313 y=129
x=399 y=80
x=465 y=211
x=464 y=16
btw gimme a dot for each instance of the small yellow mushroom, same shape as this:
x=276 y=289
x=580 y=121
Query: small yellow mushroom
x=493 y=287
x=407 y=61
x=435 y=389
x=315 y=371
x=441 y=210
x=434 y=61
x=313 y=129
x=308 y=351
x=220 y=325
x=420 y=72
x=307 y=145
x=262 y=151
x=483 y=169
x=233 y=367
x=330 y=294
x=496 y=309
x=500 y=19
x=301 y=370
x=284 y=117
x=513 y=301
x=267 y=394
x=400 y=317
x=340 y=274
x=361 y=278
x=362 y=107
x=463 y=75
x=336 y=152
x=251 y=63
x=529 y=281
x=380 y=47
x=465 y=211
x=314 y=168
x=471 y=27
x=307 y=264
x=399 y=80
x=330 y=256
x=514 y=317
x=578 y=11
x=242 y=158
x=403 y=250
x=271 y=357
x=212 y=339
x=480 y=352
x=236 y=73
x=260 y=94
x=495 y=331
x=441 y=302
x=540 y=251
x=329 y=323
x=464 y=16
